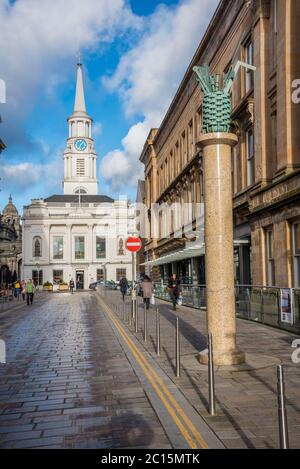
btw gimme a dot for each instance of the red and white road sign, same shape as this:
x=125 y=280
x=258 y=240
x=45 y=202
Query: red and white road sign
x=133 y=244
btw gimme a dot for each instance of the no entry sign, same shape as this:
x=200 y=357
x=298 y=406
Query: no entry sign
x=133 y=244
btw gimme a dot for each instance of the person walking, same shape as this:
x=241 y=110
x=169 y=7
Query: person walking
x=174 y=289
x=30 y=289
x=147 y=287
x=123 y=287
x=17 y=291
x=71 y=286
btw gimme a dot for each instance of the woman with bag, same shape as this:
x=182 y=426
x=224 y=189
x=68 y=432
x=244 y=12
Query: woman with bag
x=147 y=288
x=174 y=289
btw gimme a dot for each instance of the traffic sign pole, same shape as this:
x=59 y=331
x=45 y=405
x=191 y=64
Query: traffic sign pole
x=133 y=293
x=133 y=244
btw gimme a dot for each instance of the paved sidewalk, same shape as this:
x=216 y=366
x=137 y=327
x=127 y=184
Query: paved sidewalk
x=246 y=400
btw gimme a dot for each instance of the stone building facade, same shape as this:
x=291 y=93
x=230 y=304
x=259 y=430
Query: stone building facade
x=266 y=161
x=10 y=245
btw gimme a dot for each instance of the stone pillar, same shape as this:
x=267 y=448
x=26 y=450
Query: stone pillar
x=221 y=319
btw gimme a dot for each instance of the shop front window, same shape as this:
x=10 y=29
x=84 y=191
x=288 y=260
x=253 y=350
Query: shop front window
x=58 y=276
x=37 y=277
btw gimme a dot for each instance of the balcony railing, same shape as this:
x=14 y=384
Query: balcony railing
x=273 y=306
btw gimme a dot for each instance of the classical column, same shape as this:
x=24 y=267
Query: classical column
x=221 y=320
x=217 y=142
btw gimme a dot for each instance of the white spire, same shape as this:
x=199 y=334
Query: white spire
x=79 y=98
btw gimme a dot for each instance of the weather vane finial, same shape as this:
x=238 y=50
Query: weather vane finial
x=79 y=57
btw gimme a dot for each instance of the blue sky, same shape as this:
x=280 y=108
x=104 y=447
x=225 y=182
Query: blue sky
x=134 y=53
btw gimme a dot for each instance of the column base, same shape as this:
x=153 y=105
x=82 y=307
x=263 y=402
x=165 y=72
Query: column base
x=236 y=357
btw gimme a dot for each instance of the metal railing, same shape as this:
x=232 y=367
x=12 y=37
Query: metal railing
x=273 y=306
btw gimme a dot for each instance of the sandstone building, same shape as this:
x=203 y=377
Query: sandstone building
x=265 y=163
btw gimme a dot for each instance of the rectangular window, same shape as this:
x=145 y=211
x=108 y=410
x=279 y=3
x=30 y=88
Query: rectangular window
x=100 y=248
x=58 y=276
x=250 y=157
x=269 y=236
x=190 y=140
x=58 y=247
x=121 y=273
x=177 y=158
x=296 y=254
x=37 y=277
x=80 y=167
x=232 y=168
x=249 y=77
x=79 y=247
x=100 y=275
x=183 y=150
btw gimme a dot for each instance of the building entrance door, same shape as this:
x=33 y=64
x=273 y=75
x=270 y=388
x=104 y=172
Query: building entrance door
x=79 y=279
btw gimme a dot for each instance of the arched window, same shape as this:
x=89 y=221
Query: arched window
x=37 y=247
x=81 y=190
x=121 y=245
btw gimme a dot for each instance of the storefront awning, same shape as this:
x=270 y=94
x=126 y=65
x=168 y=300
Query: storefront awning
x=187 y=253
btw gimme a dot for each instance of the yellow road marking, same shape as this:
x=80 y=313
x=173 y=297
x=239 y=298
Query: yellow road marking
x=145 y=365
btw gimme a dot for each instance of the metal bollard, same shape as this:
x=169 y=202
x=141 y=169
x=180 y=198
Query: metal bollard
x=130 y=313
x=145 y=323
x=136 y=317
x=177 y=349
x=211 y=377
x=157 y=333
x=282 y=417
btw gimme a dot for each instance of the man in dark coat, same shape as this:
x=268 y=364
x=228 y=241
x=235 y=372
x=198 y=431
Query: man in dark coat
x=123 y=287
x=174 y=289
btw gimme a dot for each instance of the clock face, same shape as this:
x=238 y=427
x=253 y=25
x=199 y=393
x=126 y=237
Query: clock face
x=80 y=144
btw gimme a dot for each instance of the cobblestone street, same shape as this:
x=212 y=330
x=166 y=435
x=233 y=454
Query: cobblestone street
x=78 y=377
x=67 y=382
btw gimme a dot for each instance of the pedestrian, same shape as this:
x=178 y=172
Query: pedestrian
x=17 y=290
x=174 y=289
x=23 y=289
x=30 y=289
x=147 y=287
x=123 y=287
x=71 y=285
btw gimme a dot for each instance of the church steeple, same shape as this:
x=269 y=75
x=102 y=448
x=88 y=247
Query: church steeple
x=80 y=156
x=79 y=97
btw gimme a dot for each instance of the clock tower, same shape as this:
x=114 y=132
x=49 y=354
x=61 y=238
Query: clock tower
x=80 y=157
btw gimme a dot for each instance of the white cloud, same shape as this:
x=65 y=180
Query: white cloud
x=37 y=38
x=148 y=75
x=38 y=48
x=97 y=129
x=28 y=176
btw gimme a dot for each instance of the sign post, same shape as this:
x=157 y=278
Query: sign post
x=133 y=245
